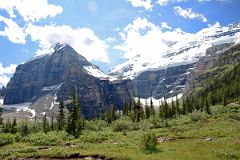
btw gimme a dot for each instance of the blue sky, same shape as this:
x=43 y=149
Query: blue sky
x=100 y=30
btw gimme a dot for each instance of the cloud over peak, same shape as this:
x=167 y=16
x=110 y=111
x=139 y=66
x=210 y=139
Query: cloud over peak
x=189 y=14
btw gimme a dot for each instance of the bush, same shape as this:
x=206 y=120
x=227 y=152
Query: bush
x=95 y=125
x=156 y=122
x=123 y=124
x=49 y=139
x=234 y=116
x=6 y=138
x=149 y=141
x=225 y=154
x=218 y=110
x=182 y=119
x=198 y=116
x=145 y=125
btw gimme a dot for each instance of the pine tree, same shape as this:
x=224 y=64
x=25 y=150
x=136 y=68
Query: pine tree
x=173 y=109
x=184 y=108
x=8 y=126
x=45 y=124
x=113 y=113
x=152 y=110
x=207 y=109
x=61 y=116
x=125 y=108
x=14 y=126
x=177 y=106
x=52 y=123
x=161 y=110
x=165 y=109
x=147 y=110
x=1 y=119
x=75 y=120
x=24 y=130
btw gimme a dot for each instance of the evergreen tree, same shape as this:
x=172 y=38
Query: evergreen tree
x=184 y=108
x=45 y=124
x=52 y=123
x=165 y=109
x=24 y=130
x=1 y=119
x=173 y=109
x=177 y=106
x=14 y=126
x=8 y=126
x=207 y=109
x=147 y=110
x=75 y=120
x=152 y=110
x=125 y=108
x=61 y=116
x=161 y=110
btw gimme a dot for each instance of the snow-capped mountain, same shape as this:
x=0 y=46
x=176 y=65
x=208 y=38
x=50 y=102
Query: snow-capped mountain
x=186 y=51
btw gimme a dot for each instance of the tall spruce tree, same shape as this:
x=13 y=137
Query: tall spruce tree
x=45 y=124
x=61 y=116
x=147 y=110
x=1 y=119
x=173 y=109
x=177 y=106
x=75 y=120
x=14 y=126
x=152 y=109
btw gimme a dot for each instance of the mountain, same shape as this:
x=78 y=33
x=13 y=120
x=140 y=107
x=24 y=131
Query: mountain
x=165 y=74
x=215 y=79
x=45 y=80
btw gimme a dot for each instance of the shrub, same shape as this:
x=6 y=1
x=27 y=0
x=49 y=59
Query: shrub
x=95 y=125
x=198 y=116
x=156 y=122
x=145 y=125
x=149 y=141
x=218 y=110
x=49 y=139
x=182 y=119
x=234 y=116
x=6 y=138
x=222 y=153
x=123 y=124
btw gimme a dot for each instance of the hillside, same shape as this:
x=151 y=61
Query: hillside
x=216 y=80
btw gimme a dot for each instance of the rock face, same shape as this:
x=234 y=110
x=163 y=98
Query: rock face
x=64 y=69
x=157 y=84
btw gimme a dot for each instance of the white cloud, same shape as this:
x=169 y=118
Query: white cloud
x=162 y=2
x=144 y=38
x=165 y=25
x=147 y=4
x=5 y=72
x=30 y=10
x=189 y=14
x=83 y=40
x=165 y=2
x=12 y=30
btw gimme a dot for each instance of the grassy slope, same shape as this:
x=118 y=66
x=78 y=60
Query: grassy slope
x=187 y=143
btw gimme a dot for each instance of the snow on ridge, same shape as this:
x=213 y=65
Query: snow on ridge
x=92 y=70
x=182 y=53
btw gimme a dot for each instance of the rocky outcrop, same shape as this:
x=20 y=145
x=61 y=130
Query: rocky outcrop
x=64 y=69
x=162 y=83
